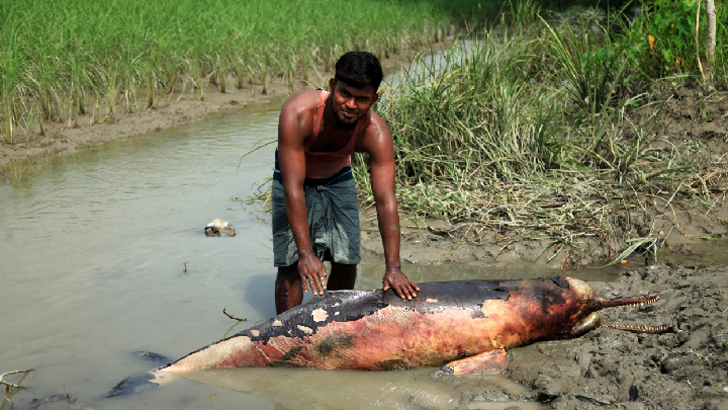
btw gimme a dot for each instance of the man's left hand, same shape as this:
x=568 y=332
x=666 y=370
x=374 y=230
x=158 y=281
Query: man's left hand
x=395 y=279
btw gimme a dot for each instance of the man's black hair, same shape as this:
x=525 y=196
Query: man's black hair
x=359 y=69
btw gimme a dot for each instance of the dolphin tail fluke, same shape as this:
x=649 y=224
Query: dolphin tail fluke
x=489 y=362
x=153 y=358
x=628 y=301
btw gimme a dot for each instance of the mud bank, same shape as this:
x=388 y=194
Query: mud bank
x=612 y=369
x=169 y=111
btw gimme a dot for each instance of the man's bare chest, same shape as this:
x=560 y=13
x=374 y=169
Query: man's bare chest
x=330 y=141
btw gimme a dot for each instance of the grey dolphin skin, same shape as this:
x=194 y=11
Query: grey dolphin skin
x=463 y=326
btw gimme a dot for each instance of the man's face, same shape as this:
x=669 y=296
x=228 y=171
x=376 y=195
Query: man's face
x=349 y=103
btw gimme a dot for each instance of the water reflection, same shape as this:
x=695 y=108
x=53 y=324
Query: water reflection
x=415 y=389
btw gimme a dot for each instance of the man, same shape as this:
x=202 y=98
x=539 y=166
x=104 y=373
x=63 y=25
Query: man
x=315 y=206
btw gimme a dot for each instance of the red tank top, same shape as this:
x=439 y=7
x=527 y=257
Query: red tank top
x=326 y=164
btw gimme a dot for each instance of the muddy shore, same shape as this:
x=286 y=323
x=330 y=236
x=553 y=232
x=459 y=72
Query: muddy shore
x=169 y=111
x=685 y=369
x=613 y=369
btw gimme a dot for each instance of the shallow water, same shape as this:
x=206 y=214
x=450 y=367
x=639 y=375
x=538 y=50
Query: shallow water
x=92 y=253
x=93 y=247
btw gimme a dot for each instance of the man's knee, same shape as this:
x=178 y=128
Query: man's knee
x=288 y=291
x=288 y=274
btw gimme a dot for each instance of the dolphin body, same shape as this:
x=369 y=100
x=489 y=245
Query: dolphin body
x=463 y=326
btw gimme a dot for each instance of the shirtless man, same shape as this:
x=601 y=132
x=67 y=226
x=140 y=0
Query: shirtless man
x=314 y=200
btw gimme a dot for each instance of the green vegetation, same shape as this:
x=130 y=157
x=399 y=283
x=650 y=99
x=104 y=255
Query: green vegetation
x=60 y=60
x=549 y=128
x=547 y=123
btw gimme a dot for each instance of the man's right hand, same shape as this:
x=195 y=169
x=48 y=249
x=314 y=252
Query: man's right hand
x=313 y=273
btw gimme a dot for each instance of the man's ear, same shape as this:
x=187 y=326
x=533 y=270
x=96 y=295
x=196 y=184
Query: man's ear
x=375 y=98
x=332 y=84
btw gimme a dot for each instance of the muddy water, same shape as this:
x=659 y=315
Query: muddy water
x=93 y=249
x=92 y=269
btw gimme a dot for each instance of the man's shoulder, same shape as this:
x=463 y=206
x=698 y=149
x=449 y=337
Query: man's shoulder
x=375 y=134
x=374 y=125
x=298 y=113
x=302 y=100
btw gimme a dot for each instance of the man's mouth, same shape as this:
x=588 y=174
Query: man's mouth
x=346 y=115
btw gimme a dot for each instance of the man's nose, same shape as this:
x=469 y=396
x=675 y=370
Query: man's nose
x=351 y=103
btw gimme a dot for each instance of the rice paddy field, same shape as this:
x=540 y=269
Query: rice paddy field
x=61 y=59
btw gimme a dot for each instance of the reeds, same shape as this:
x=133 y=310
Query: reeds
x=532 y=129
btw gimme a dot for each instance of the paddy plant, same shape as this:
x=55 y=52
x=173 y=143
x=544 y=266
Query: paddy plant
x=129 y=54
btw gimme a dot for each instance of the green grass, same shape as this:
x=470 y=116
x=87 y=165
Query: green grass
x=548 y=128
x=541 y=125
x=59 y=59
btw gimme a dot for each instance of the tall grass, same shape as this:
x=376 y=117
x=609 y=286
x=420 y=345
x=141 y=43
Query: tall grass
x=533 y=128
x=463 y=116
x=59 y=58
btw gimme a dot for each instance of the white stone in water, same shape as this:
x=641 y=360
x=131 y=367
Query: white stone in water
x=219 y=227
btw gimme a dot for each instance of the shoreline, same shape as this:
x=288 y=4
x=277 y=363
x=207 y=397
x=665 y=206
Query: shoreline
x=173 y=111
x=682 y=231
x=611 y=368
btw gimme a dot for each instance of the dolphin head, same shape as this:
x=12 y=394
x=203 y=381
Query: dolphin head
x=588 y=317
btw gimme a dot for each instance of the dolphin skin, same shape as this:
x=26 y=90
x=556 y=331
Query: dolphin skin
x=463 y=326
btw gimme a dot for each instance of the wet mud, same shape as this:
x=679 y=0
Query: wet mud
x=684 y=369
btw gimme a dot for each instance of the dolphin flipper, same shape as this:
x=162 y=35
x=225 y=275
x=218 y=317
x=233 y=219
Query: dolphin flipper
x=133 y=385
x=488 y=362
x=142 y=382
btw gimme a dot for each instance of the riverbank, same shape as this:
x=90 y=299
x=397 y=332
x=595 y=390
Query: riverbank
x=174 y=110
x=692 y=121
x=607 y=368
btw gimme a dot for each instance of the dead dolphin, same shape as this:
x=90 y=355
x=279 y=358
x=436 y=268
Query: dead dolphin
x=464 y=326
x=219 y=227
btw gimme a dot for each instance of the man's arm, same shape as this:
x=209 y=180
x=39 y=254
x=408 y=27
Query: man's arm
x=294 y=125
x=378 y=144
